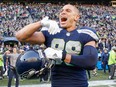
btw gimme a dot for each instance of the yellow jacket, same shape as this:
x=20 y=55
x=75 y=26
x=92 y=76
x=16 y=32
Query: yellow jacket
x=112 y=57
x=1 y=60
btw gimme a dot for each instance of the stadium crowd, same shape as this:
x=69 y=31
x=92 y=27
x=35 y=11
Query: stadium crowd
x=14 y=16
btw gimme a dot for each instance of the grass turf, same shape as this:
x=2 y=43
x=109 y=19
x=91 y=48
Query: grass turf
x=100 y=76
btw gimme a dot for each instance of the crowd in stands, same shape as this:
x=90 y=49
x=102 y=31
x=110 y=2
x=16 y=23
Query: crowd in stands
x=14 y=16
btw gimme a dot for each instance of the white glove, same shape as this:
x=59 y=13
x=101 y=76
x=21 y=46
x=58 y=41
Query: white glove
x=52 y=53
x=52 y=26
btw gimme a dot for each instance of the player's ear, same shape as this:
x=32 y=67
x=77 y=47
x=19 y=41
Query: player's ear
x=77 y=17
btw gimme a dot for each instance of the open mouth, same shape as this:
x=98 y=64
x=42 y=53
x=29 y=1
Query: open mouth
x=63 y=19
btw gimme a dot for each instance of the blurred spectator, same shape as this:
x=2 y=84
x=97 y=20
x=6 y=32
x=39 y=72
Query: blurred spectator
x=5 y=57
x=1 y=67
x=108 y=45
x=112 y=62
x=12 y=70
x=105 y=57
x=102 y=44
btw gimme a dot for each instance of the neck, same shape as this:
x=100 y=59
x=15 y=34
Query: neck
x=71 y=28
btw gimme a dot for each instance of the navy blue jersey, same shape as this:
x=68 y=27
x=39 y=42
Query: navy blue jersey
x=63 y=74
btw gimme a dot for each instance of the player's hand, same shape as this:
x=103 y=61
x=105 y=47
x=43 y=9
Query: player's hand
x=52 y=25
x=53 y=54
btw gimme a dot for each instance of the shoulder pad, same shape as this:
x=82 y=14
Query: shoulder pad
x=89 y=32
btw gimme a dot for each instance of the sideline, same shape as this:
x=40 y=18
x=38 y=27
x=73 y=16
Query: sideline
x=109 y=83
x=102 y=82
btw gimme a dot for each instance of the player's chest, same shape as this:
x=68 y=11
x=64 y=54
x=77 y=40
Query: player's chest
x=69 y=42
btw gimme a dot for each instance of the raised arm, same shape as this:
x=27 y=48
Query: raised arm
x=29 y=34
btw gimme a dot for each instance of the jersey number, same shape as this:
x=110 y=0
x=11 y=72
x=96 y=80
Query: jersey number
x=73 y=47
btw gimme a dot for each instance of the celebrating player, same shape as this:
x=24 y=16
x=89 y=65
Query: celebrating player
x=73 y=49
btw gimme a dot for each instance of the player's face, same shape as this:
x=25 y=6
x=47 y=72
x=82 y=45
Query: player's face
x=68 y=17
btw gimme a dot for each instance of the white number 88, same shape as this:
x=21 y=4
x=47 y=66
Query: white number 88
x=73 y=47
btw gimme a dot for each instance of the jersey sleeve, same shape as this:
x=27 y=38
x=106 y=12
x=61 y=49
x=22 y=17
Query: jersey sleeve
x=46 y=34
x=44 y=30
x=88 y=34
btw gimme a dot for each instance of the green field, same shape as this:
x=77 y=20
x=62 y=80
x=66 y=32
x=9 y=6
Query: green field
x=100 y=76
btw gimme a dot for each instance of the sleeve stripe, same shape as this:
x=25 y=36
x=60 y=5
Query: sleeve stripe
x=90 y=33
x=44 y=29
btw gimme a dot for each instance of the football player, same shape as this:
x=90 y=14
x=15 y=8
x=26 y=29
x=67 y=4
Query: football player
x=73 y=49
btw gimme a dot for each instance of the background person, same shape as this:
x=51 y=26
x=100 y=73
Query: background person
x=112 y=62
x=12 y=70
x=1 y=67
x=105 y=57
